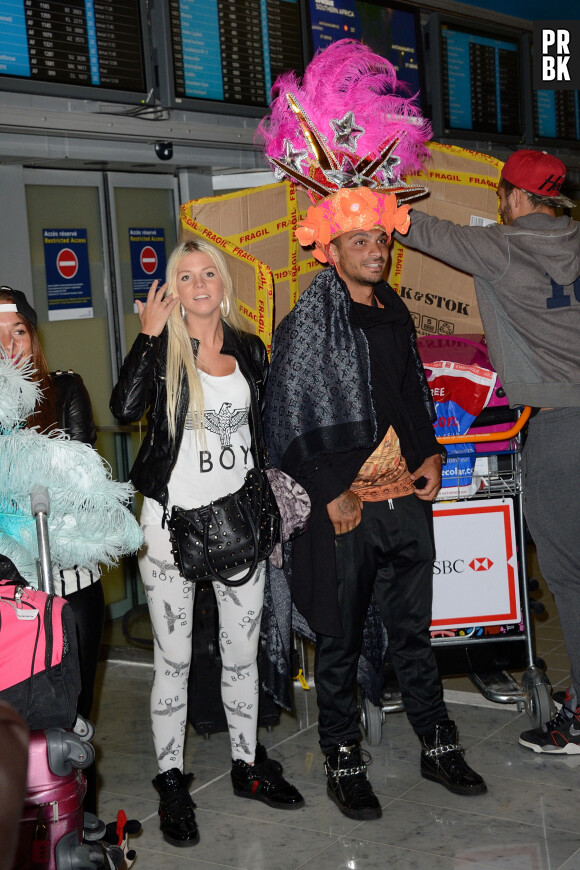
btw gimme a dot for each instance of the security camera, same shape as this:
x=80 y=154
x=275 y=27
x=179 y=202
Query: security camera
x=164 y=150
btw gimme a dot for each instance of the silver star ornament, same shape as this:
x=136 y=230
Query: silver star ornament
x=346 y=131
x=292 y=158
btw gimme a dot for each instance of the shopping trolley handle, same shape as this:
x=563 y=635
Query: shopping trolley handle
x=504 y=435
x=40 y=501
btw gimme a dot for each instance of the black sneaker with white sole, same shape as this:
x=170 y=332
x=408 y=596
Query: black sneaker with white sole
x=559 y=736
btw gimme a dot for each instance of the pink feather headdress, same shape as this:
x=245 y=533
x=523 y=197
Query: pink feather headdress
x=347 y=126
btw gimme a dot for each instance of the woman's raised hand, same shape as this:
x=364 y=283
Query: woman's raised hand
x=154 y=313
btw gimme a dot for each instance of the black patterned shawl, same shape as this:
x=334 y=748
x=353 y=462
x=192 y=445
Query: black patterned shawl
x=307 y=414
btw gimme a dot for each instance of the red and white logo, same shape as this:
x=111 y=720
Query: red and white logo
x=148 y=260
x=67 y=263
x=481 y=564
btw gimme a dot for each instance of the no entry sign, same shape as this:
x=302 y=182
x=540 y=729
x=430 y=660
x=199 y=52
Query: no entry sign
x=68 y=279
x=148 y=261
x=67 y=263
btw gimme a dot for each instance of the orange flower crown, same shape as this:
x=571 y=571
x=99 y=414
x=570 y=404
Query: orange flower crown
x=350 y=209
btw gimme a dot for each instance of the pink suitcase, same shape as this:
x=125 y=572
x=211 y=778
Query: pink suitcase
x=51 y=827
x=55 y=834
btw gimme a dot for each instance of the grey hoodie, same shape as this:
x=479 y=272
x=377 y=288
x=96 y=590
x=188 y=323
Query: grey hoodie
x=527 y=280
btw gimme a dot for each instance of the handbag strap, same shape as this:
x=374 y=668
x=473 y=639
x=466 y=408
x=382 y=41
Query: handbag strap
x=206 y=514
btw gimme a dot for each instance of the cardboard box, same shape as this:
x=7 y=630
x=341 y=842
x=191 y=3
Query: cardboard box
x=255 y=230
x=462 y=188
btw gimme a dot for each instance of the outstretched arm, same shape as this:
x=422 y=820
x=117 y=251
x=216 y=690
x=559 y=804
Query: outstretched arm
x=481 y=251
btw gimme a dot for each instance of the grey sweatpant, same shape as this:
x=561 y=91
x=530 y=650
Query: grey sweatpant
x=551 y=467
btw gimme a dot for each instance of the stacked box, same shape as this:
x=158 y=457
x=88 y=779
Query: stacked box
x=462 y=189
x=255 y=230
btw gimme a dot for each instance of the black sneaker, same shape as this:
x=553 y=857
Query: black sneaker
x=559 y=736
x=442 y=761
x=348 y=786
x=262 y=781
x=176 y=808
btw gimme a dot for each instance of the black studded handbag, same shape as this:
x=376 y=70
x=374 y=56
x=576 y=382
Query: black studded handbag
x=233 y=533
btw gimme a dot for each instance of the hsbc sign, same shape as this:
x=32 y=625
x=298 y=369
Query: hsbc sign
x=475 y=580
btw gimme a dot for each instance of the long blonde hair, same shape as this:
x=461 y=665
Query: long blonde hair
x=181 y=360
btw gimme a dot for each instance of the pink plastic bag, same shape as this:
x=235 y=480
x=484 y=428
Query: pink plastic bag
x=469 y=350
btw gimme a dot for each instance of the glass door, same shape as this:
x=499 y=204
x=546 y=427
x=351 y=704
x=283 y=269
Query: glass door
x=98 y=223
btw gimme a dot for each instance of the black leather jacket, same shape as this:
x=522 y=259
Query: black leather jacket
x=74 y=413
x=141 y=385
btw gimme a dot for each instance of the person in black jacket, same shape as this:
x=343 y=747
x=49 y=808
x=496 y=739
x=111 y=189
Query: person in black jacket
x=201 y=377
x=348 y=407
x=346 y=416
x=65 y=405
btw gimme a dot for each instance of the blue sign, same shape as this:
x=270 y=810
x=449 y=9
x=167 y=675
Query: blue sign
x=148 y=260
x=68 y=281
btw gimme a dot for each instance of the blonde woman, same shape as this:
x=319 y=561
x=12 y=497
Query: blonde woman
x=201 y=377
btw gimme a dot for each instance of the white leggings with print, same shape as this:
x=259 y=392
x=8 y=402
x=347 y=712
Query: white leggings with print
x=170 y=599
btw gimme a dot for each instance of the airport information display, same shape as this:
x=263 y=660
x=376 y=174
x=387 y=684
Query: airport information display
x=557 y=115
x=391 y=31
x=233 y=50
x=87 y=43
x=481 y=82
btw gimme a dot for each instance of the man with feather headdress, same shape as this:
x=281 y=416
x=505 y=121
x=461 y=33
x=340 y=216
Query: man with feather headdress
x=349 y=413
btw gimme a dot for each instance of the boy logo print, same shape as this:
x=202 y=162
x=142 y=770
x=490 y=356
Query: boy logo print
x=224 y=423
x=164 y=568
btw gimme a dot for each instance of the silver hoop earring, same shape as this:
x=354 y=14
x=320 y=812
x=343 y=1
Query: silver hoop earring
x=225 y=306
x=182 y=311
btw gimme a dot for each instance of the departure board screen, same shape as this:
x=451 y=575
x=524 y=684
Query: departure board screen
x=94 y=44
x=557 y=115
x=390 y=30
x=231 y=51
x=481 y=82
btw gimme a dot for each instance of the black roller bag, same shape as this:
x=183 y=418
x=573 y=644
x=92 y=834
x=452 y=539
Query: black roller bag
x=205 y=709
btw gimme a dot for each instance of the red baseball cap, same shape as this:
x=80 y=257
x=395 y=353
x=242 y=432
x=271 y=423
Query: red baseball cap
x=535 y=172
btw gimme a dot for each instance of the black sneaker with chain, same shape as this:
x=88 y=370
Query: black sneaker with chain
x=348 y=786
x=262 y=781
x=442 y=761
x=176 y=808
x=559 y=736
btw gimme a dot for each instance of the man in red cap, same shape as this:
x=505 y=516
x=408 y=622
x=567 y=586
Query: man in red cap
x=527 y=280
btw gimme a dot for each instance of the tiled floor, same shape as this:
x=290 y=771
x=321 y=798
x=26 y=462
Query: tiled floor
x=529 y=820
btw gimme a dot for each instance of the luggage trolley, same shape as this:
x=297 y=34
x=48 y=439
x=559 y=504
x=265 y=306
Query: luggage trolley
x=482 y=643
